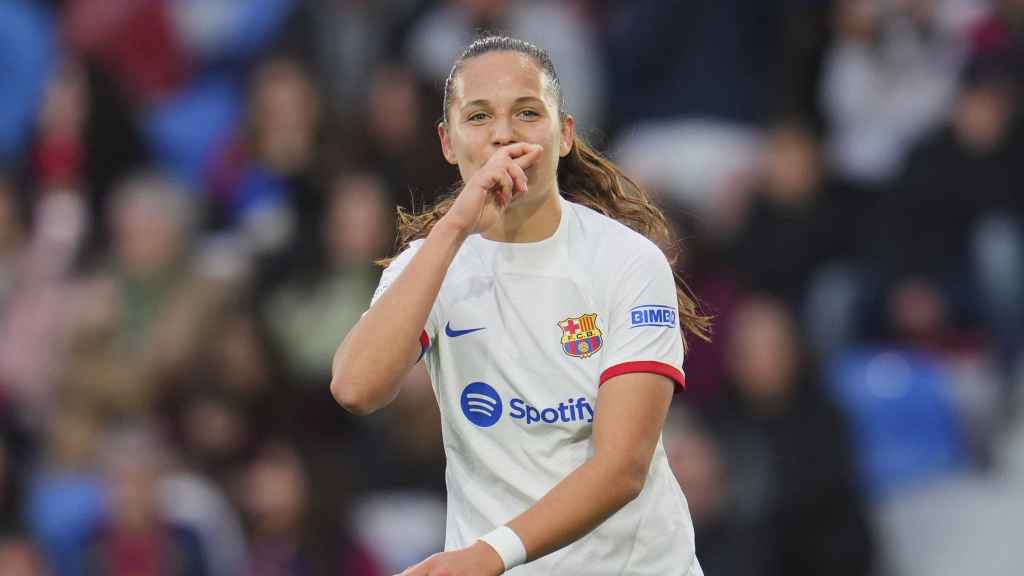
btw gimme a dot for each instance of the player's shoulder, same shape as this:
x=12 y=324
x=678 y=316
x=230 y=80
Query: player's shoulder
x=611 y=242
x=406 y=254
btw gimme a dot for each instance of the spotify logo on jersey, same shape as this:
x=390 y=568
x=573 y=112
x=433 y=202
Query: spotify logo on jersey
x=481 y=404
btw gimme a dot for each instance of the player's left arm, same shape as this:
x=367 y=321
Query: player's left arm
x=631 y=411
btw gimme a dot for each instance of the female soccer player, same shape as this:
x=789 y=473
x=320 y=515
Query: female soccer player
x=550 y=325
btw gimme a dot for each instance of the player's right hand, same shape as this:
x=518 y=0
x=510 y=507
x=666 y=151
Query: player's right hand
x=489 y=191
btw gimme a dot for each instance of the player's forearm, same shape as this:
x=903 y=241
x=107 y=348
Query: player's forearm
x=578 y=504
x=372 y=359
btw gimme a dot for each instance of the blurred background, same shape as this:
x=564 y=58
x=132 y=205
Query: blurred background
x=193 y=192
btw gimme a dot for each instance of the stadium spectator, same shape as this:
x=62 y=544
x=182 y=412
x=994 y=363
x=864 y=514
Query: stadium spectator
x=998 y=33
x=796 y=221
x=112 y=33
x=955 y=180
x=438 y=36
x=85 y=140
x=353 y=41
x=19 y=556
x=64 y=492
x=321 y=302
x=276 y=500
x=15 y=454
x=264 y=186
x=146 y=305
x=41 y=309
x=13 y=238
x=790 y=481
x=698 y=463
x=393 y=135
x=135 y=536
x=889 y=78
x=190 y=499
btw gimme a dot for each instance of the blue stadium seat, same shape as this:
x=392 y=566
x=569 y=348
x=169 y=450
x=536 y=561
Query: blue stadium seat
x=904 y=423
x=28 y=52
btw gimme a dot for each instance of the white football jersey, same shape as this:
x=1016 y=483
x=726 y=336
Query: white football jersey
x=517 y=343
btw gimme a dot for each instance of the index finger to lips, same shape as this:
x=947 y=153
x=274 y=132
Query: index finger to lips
x=520 y=149
x=530 y=157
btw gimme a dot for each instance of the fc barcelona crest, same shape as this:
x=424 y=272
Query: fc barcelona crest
x=580 y=336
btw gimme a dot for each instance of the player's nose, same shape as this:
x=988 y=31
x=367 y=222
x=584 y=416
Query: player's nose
x=504 y=132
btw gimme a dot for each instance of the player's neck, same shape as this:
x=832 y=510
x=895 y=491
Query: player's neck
x=528 y=221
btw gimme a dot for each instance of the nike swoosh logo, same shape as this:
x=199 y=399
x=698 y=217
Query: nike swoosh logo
x=456 y=333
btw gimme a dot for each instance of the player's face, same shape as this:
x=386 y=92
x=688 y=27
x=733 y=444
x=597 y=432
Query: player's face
x=501 y=98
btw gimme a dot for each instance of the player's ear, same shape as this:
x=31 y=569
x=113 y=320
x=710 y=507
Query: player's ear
x=446 y=144
x=568 y=136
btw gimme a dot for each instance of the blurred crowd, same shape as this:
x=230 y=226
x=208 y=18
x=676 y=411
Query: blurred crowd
x=193 y=194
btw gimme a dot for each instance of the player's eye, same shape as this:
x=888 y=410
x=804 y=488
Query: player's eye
x=476 y=117
x=529 y=114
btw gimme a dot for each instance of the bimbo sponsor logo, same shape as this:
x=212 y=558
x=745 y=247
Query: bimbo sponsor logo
x=652 y=315
x=482 y=405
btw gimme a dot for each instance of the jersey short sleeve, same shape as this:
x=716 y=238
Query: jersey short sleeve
x=388 y=277
x=643 y=321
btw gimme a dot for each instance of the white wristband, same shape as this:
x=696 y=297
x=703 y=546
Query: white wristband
x=508 y=546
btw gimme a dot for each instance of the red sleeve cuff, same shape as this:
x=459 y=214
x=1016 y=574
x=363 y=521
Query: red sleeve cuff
x=424 y=344
x=666 y=370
